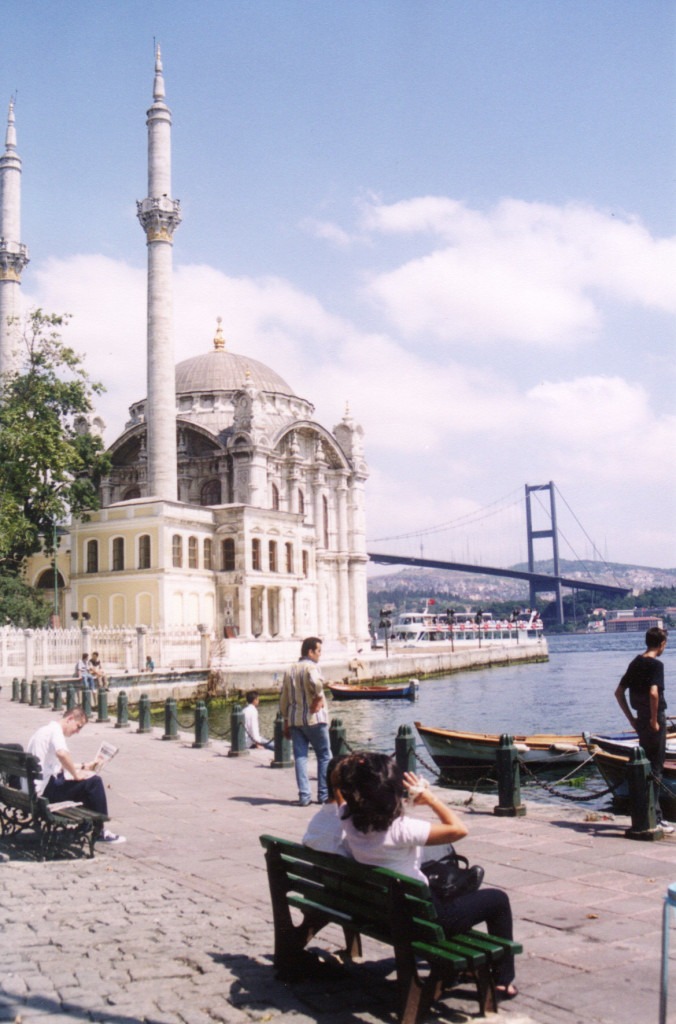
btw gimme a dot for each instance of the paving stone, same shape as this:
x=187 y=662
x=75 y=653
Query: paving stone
x=174 y=927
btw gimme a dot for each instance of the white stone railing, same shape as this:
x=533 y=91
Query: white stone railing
x=27 y=653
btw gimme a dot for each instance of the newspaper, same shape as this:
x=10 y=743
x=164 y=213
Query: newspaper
x=104 y=754
x=63 y=805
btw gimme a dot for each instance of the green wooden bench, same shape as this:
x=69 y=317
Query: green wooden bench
x=386 y=906
x=72 y=828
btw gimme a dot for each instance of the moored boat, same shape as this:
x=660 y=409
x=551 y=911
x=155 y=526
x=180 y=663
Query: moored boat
x=450 y=748
x=358 y=691
x=612 y=755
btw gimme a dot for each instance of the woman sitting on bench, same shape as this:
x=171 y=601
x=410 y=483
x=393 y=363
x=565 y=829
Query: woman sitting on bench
x=378 y=832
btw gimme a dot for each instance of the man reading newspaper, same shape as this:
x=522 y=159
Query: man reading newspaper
x=63 y=779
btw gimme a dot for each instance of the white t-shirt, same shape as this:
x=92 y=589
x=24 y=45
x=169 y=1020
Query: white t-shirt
x=44 y=744
x=399 y=847
x=251 y=726
x=325 y=831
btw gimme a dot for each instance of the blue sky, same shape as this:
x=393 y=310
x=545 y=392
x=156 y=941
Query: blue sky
x=458 y=216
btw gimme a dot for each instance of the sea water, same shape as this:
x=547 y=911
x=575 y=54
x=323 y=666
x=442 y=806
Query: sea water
x=573 y=692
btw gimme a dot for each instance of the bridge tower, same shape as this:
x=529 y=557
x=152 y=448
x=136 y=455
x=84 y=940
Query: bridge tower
x=538 y=535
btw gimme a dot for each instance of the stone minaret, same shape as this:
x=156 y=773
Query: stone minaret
x=159 y=216
x=13 y=255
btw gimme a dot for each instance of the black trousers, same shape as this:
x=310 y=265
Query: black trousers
x=491 y=906
x=90 y=792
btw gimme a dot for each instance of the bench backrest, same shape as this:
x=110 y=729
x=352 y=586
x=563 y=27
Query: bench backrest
x=362 y=893
x=16 y=764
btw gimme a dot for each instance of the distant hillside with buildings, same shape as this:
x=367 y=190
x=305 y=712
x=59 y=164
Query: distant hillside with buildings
x=474 y=589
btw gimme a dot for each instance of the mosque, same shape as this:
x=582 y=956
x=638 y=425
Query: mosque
x=228 y=507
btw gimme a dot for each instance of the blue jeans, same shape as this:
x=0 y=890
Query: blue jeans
x=303 y=737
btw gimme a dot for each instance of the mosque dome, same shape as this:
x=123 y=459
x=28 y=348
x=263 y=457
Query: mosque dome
x=219 y=371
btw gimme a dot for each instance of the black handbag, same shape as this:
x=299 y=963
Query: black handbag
x=452 y=876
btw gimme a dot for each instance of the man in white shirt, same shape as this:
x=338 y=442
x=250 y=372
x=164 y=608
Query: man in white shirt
x=62 y=778
x=251 y=723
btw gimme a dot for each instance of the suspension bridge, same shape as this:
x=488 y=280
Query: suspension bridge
x=538 y=582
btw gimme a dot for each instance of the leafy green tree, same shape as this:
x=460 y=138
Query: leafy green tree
x=50 y=462
x=21 y=605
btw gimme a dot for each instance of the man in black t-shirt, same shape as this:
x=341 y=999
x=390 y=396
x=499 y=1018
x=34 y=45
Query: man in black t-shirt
x=644 y=679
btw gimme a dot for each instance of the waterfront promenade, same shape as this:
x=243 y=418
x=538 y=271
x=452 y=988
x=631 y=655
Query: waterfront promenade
x=174 y=927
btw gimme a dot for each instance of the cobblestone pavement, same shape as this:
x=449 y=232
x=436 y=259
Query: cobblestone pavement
x=175 y=925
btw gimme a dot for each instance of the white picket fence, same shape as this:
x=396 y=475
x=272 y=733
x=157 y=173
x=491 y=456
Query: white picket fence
x=26 y=653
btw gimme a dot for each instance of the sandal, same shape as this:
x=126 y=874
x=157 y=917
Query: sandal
x=506 y=991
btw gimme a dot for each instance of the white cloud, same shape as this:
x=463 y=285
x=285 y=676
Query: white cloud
x=327 y=231
x=448 y=426
x=527 y=273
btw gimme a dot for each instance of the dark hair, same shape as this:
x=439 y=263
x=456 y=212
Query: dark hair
x=655 y=637
x=251 y=696
x=332 y=765
x=373 y=788
x=310 y=643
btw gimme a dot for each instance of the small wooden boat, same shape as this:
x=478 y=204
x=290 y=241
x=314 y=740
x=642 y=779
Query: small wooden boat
x=454 y=749
x=359 y=691
x=611 y=757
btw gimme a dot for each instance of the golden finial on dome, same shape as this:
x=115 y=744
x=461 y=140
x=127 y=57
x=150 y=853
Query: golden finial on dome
x=219 y=340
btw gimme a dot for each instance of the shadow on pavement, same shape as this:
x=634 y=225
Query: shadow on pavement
x=350 y=990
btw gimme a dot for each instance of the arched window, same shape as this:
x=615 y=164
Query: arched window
x=275 y=497
x=132 y=492
x=228 y=554
x=192 y=553
x=325 y=520
x=211 y=493
x=144 y=552
x=46 y=581
x=301 y=503
x=177 y=551
x=118 y=554
x=206 y=554
x=272 y=555
x=92 y=556
x=256 y=554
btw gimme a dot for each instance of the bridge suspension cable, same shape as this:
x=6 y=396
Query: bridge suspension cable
x=468 y=519
x=593 y=545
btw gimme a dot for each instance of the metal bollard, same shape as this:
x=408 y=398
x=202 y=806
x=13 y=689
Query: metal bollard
x=238 y=743
x=45 y=701
x=102 y=706
x=24 y=692
x=87 y=701
x=71 y=698
x=642 y=803
x=144 y=723
x=58 y=698
x=201 y=725
x=338 y=738
x=170 y=720
x=16 y=689
x=282 y=758
x=404 y=749
x=122 y=711
x=669 y=909
x=34 y=693
x=509 y=780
